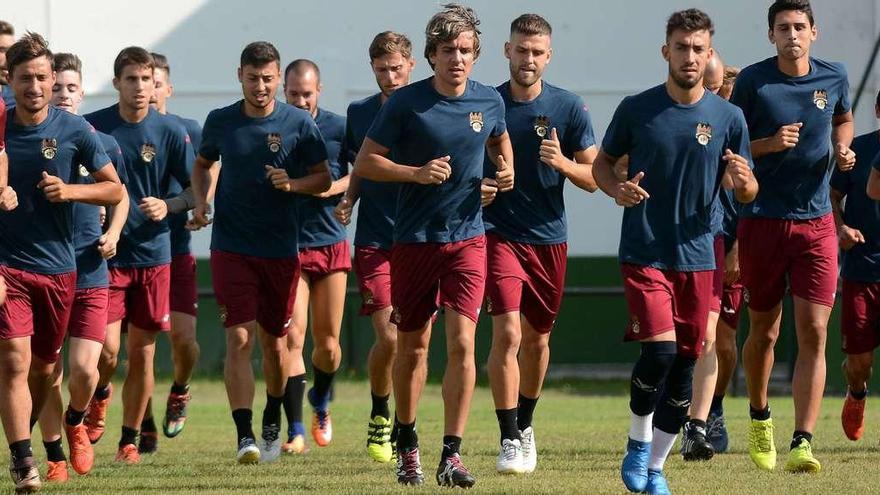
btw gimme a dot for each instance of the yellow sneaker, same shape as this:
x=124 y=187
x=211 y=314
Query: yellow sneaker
x=379 y=439
x=761 y=447
x=801 y=460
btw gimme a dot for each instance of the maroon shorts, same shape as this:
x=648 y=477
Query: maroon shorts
x=427 y=276
x=184 y=292
x=718 y=275
x=525 y=278
x=38 y=306
x=318 y=262
x=140 y=296
x=252 y=288
x=732 y=299
x=88 y=319
x=804 y=252
x=860 y=317
x=372 y=265
x=663 y=300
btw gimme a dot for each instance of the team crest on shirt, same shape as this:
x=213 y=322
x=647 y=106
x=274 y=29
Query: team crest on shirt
x=542 y=123
x=83 y=172
x=820 y=98
x=148 y=152
x=476 y=121
x=49 y=148
x=273 y=140
x=704 y=133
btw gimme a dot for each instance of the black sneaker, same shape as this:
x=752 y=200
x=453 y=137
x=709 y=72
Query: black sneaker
x=694 y=446
x=25 y=475
x=409 y=468
x=452 y=472
x=148 y=443
x=717 y=433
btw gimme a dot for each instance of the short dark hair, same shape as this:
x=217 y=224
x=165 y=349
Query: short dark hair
x=260 y=53
x=448 y=24
x=531 y=25
x=689 y=20
x=160 y=62
x=302 y=66
x=388 y=42
x=7 y=28
x=68 y=61
x=784 y=5
x=29 y=47
x=132 y=55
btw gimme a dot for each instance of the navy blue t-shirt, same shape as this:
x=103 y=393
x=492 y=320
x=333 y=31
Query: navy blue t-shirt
x=377 y=200
x=319 y=227
x=91 y=268
x=180 y=237
x=252 y=217
x=679 y=148
x=861 y=263
x=37 y=236
x=534 y=211
x=155 y=150
x=729 y=217
x=418 y=124
x=793 y=183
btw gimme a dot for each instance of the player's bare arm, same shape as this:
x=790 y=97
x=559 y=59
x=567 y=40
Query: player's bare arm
x=842 y=132
x=8 y=197
x=202 y=181
x=336 y=187
x=501 y=153
x=847 y=235
x=786 y=137
x=579 y=171
x=118 y=216
x=745 y=186
x=343 y=210
x=317 y=181
x=106 y=191
x=625 y=192
x=372 y=163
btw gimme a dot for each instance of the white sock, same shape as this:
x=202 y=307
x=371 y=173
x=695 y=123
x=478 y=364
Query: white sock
x=660 y=448
x=640 y=427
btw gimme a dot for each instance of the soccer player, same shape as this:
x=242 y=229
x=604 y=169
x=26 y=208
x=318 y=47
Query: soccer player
x=437 y=131
x=155 y=148
x=392 y=62
x=183 y=299
x=46 y=148
x=683 y=142
x=526 y=231
x=858 y=228
x=88 y=320
x=324 y=263
x=254 y=264
x=7 y=38
x=796 y=106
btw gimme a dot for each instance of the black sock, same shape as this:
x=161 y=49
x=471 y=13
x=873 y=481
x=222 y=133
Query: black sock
x=798 y=435
x=859 y=395
x=149 y=425
x=272 y=412
x=294 y=390
x=395 y=430
x=524 y=411
x=717 y=406
x=73 y=417
x=407 y=438
x=129 y=436
x=54 y=451
x=21 y=449
x=323 y=381
x=380 y=406
x=451 y=446
x=177 y=389
x=243 y=419
x=102 y=393
x=507 y=424
x=760 y=414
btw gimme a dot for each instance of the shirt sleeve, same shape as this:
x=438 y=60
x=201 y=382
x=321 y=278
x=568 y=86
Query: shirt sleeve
x=349 y=149
x=843 y=104
x=195 y=136
x=118 y=160
x=500 y=123
x=618 y=137
x=209 y=148
x=91 y=152
x=580 y=135
x=742 y=96
x=180 y=157
x=388 y=125
x=310 y=147
x=738 y=140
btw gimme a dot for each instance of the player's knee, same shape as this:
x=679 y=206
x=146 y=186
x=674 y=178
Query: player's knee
x=676 y=400
x=506 y=340
x=650 y=370
x=536 y=345
x=460 y=350
x=811 y=337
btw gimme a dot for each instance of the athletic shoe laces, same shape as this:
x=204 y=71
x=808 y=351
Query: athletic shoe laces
x=508 y=451
x=377 y=433
x=270 y=432
x=323 y=416
x=716 y=426
x=177 y=406
x=761 y=436
x=409 y=464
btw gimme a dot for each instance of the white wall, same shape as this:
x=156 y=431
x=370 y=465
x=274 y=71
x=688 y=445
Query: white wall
x=603 y=50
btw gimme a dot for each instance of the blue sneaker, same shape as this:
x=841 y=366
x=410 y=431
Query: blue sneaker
x=657 y=483
x=634 y=469
x=716 y=432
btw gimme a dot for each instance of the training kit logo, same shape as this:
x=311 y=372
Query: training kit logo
x=273 y=140
x=704 y=133
x=489 y=304
x=49 y=148
x=83 y=172
x=395 y=316
x=367 y=294
x=634 y=322
x=223 y=313
x=476 y=121
x=148 y=152
x=820 y=98
x=542 y=123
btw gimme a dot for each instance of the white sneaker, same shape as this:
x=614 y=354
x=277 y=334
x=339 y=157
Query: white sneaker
x=510 y=458
x=270 y=443
x=248 y=453
x=530 y=451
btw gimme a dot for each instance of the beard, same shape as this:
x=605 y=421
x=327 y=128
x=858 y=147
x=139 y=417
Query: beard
x=684 y=83
x=525 y=81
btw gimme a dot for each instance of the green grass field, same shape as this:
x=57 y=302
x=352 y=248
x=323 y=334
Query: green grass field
x=580 y=439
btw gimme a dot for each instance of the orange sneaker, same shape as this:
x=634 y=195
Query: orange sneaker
x=295 y=445
x=128 y=454
x=96 y=415
x=322 y=428
x=853 y=416
x=82 y=457
x=57 y=472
